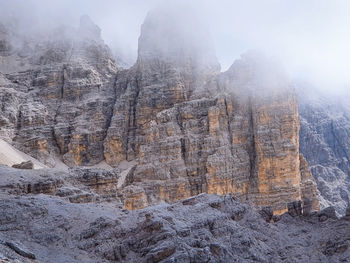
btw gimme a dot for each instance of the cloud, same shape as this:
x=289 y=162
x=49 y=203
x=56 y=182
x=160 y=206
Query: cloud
x=311 y=37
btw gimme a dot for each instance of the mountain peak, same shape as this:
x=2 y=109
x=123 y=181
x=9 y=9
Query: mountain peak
x=177 y=36
x=88 y=28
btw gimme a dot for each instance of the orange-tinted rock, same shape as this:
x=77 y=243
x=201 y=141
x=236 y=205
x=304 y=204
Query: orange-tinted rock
x=309 y=191
x=189 y=128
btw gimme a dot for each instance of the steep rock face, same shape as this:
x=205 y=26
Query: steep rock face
x=186 y=127
x=271 y=131
x=309 y=190
x=194 y=130
x=62 y=105
x=325 y=140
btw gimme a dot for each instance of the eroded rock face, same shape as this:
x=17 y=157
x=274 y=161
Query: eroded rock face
x=62 y=104
x=205 y=228
x=78 y=185
x=24 y=165
x=188 y=128
x=325 y=142
x=237 y=132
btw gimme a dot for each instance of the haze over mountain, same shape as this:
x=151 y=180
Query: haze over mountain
x=223 y=156
x=311 y=37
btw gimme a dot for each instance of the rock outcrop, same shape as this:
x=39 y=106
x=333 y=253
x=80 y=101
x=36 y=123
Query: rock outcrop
x=24 y=165
x=324 y=141
x=186 y=127
x=62 y=104
x=193 y=130
x=205 y=228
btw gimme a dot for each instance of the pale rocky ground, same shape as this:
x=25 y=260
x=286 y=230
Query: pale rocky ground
x=205 y=228
x=78 y=216
x=9 y=156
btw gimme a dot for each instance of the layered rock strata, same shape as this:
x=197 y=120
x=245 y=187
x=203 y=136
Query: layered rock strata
x=233 y=132
x=325 y=140
x=186 y=127
x=62 y=103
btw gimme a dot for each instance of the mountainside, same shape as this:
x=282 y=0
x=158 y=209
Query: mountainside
x=170 y=160
x=175 y=124
x=48 y=109
x=325 y=143
x=204 y=228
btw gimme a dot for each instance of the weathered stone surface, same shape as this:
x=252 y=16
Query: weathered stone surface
x=325 y=141
x=309 y=191
x=266 y=213
x=62 y=104
x=235 y=132
x=76 y=185
x=188 y=128
x=101 y=182
x=18 y=182
x=24 y=165
x=205 y=228
x=20 y=250
x=327 y=213
x=295 y=208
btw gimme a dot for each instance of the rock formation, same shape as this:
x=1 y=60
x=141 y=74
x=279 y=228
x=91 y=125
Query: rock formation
x=324 y=141
x=63 y=103
x=201 y=165
x=182 y=127
x=24 y=165
x=194 y=130
x=205 y=228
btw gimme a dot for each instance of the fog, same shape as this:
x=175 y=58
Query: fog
x=310 y=37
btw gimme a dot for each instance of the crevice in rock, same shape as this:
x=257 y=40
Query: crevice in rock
x=182 y=139
x=111 y=113
x=230 y=137
x=183 y=149
x=19 y=117
x=202 y=169
x=132 y=127
x=60 y=101
x=252 y=150
x=63 y=82
x=179 y=120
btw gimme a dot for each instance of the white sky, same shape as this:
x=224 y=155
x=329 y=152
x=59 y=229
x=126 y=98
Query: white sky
x=311 y=37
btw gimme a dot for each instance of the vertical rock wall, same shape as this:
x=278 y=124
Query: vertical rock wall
x=186 y=127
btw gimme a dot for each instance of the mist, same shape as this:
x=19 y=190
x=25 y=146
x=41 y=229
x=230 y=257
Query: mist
x=311 y=38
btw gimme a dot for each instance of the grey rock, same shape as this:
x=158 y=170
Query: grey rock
x=186 y=127
x=48 y=106
x=20 y=250
x=324 y=142
x=206 y=229
x=347 y=211
x=327 y=213
x=24 y=165
x=295 y=208
x=266 y=213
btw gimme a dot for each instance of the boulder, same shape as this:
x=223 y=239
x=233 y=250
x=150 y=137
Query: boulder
x=24 y=165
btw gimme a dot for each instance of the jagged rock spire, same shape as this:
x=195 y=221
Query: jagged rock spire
x=175 y=35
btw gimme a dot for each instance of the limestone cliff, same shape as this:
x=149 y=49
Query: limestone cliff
x=59 y=101
x=324 y=141
x=186 y=127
